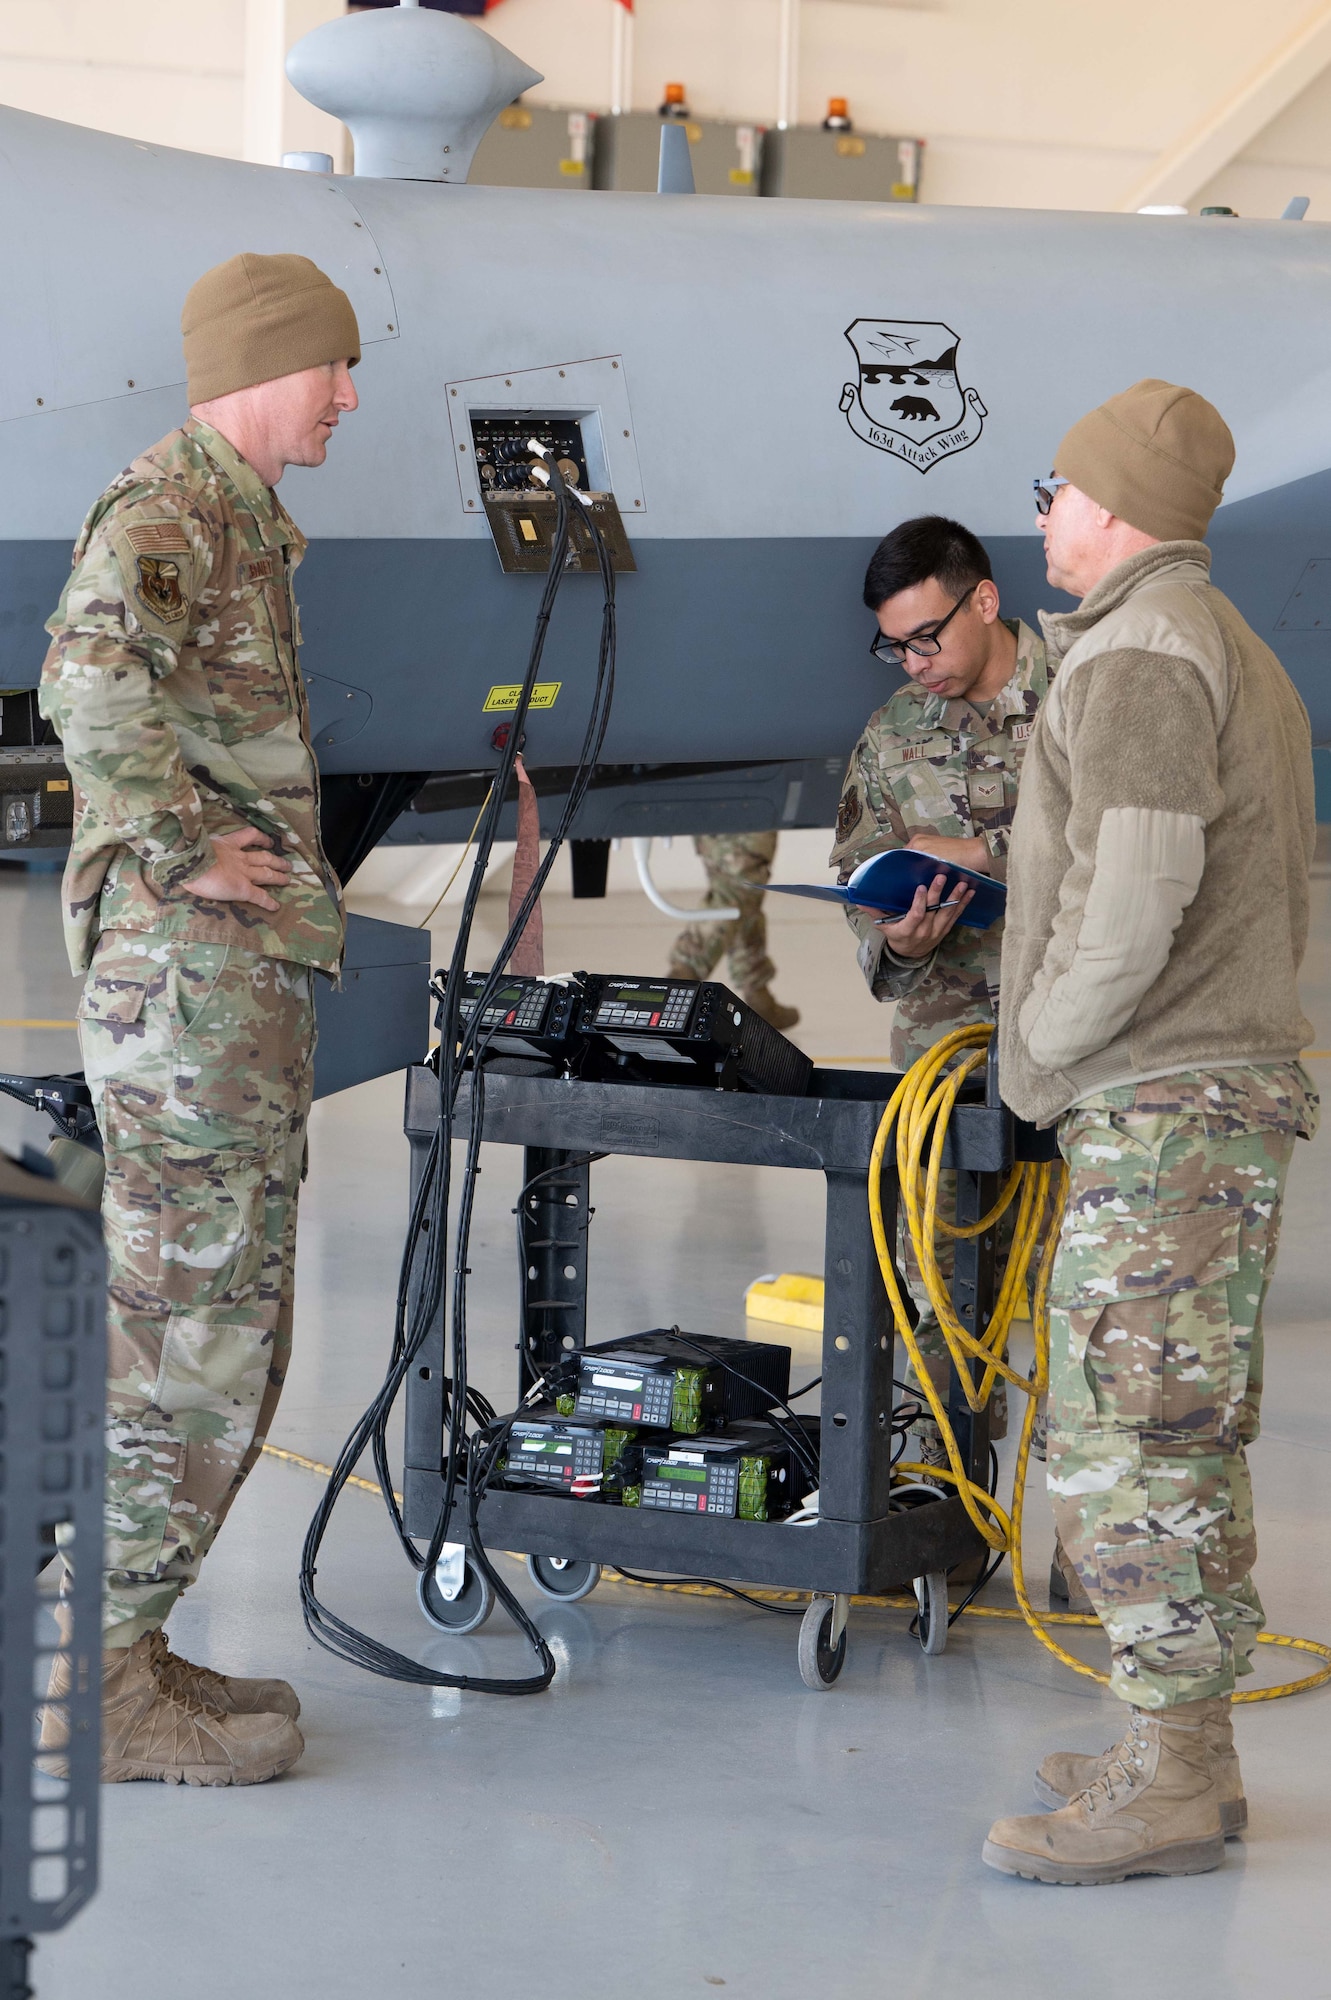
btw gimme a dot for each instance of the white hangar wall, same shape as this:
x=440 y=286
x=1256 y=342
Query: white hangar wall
x=1022 y=105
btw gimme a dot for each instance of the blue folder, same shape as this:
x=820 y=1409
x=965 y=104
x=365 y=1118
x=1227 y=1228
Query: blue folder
x=888 y=882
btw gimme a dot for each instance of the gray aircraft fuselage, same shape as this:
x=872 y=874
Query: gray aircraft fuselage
x=774 y=384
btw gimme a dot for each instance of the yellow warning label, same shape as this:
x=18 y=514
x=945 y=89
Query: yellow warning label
x=740 y=177
x=543 y=695
x=570 y=167
x=850 y=147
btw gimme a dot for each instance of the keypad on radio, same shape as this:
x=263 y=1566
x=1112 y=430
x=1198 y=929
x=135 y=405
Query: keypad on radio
x=670 y=1016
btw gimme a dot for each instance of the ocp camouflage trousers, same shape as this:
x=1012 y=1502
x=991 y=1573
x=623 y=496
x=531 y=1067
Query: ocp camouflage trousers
x=1166 y=1250
x=739 y=866
x=199 y=1059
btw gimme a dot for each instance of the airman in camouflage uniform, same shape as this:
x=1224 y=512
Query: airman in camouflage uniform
x=1157 y=916
x=196 y=1018
x=927 y=765
x=739 y=867
x=174 y=681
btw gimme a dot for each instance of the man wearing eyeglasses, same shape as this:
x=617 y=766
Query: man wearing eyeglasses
x=937 y=769
x=1157 y=916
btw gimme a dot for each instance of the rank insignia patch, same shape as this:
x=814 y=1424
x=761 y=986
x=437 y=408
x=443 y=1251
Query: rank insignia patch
x=159 y=588
x=848 y=812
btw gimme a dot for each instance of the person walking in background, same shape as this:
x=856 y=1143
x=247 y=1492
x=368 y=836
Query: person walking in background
x=739 y=867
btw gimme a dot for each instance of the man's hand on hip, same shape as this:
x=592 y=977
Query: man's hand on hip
x=243 y=863
x=927 y=921
x=973 y=853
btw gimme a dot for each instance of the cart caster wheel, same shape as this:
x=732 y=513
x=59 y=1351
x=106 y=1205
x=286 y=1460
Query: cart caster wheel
x=820 y=1661
x=564 y=1578
x=468 y=1610
x=931 y=1596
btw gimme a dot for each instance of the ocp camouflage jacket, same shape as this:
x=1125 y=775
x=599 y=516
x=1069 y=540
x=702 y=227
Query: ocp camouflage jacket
x=174 y=682
x=925 y=765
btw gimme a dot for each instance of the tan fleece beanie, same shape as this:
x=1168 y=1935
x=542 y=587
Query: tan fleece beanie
x=1157 y=456
x=255 y=318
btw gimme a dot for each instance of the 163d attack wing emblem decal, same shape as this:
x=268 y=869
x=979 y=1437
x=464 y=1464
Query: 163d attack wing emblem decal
x=909 y=399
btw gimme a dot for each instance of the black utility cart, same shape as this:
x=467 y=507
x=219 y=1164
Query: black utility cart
x=861 y=1541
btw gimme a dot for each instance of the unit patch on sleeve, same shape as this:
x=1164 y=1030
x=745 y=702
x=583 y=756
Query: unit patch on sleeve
x=159 y=588
x=848 y=812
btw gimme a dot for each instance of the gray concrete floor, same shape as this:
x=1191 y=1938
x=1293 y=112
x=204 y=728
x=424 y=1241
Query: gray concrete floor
x=678 y=1814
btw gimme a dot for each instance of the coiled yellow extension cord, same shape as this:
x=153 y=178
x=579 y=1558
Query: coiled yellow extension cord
x=918 y=1113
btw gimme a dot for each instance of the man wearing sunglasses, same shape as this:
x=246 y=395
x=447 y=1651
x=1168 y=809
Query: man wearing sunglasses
x=1157 y=914
x=937 y=769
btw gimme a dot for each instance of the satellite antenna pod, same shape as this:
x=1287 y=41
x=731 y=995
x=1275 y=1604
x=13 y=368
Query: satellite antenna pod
x=417 y=89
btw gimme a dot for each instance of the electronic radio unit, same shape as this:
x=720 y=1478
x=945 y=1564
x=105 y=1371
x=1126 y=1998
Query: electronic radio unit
x=748 y=1472
x=669 y=1381
x=525 y=1016
x=685 y=1031
x=568 y=1457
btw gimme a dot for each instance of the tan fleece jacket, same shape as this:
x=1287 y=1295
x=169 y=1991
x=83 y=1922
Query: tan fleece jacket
x=1158 y=876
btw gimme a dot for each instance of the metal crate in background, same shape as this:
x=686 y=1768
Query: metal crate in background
x=727 y=158
x=537 y=145
x=52 y=1401
x=814 y=164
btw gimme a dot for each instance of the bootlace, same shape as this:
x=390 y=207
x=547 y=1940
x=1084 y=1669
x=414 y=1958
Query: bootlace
x=180 y=1677
x=175 y=1726
x=1125 y=1759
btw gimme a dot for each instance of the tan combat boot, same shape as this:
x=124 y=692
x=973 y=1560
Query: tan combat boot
x=1154 y=1810
x=765 y=1003
x=226 y=1693
x=1066 y=1589
x=152 y=1731
x=1064 y=1773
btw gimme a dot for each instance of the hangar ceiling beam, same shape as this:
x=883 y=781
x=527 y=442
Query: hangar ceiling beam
x=1235 y=120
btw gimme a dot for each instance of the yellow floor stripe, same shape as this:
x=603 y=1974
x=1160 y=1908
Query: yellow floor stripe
x=325 y=1471
x=38 y=1024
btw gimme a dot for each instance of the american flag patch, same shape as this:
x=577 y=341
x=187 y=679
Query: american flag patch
x=158 y=538
x=259 y=570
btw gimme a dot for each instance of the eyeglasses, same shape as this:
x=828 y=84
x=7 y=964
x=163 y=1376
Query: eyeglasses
x=893 y=651
x=1046 y=490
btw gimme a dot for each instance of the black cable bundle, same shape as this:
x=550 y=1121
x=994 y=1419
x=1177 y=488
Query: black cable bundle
x=423 y=1274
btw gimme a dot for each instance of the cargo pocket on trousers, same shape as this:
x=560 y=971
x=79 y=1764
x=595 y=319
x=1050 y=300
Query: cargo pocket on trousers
x=1146 y=1306
x=1150 y=1601
x=211 y=1232
x=211 y=1383
x=143 y=1470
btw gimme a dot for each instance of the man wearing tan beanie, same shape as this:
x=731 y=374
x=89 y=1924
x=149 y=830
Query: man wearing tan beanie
x=200 y=903
x=1157 y=914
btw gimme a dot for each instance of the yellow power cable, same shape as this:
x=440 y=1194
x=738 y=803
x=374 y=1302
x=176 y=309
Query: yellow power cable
x=918 y=1113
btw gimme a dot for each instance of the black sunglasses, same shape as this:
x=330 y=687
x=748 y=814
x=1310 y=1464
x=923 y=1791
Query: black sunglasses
x=893 y=651
x=1046 y=491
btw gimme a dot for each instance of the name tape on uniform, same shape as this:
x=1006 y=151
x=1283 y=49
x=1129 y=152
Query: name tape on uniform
x=543 y=695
